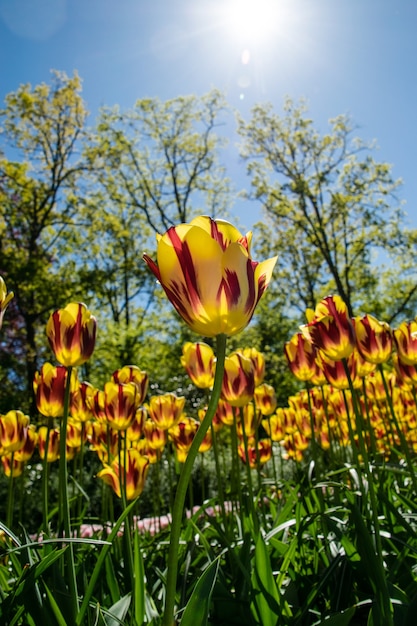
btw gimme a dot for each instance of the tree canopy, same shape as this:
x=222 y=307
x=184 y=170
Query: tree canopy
x=332 y=211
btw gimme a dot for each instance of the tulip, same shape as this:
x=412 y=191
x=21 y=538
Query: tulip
x=199 y=361
x=120 y=404
x=166 y=410
x=405 y=337
x=301 y=357
x=4 y=299
x=132 y=374
x=330 y=330
x=182 y=435
x=13 y=427
x=104 y=441
x=225 y=413
x=80 y=402
x=155 y=436
x=258 y=453
x=49 y=387
x=373 y=338
x=265 y=399
x=208 y=275
x=133 y=474
x=335 y=372
x=71 y=334
x=52 y=454
x=25 y=453
x=12 y=466
x=407 y=373
x=249 y=421
x=258 y=362
x=135 y=429
x=216 y=422
x=238 y=384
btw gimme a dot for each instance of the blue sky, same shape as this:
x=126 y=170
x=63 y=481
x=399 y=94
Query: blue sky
x=343 y=56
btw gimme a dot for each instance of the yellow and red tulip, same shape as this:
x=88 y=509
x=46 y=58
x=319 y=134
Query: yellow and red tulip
x=133 y=474
x=12 y=466
x=331 y=330
x=301 y=356
x=258 y=362
x=132 y=374
x=259 y=452
x=135 y=429
x=49 y=387
x=335 y=372
x=81 y=401
x=155 y=436
x=225 y=413
x=405 y=337
x=182 y=435
x=265 y=399
x=238 y=384
x=25 y=453
x=207 y=273
x=199 y=361
x=13 y=430
x=373 y=338
x=120 y=404
x=166 y=410
x=52 y=453
x=71 y=334
x=248 y=421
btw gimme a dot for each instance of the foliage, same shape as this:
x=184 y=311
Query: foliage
x=332 y=212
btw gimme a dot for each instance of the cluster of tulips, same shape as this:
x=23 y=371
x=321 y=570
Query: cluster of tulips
x=128 y=433
x=345 y=360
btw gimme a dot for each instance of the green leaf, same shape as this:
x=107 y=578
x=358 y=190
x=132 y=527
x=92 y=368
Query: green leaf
x=117 y=613
x=139 y=580
x=197 y=609
x=60 y=620
x=266 y=600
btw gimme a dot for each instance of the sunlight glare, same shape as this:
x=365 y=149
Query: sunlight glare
x=252 y=20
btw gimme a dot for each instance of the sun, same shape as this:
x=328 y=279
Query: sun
x=252 y=20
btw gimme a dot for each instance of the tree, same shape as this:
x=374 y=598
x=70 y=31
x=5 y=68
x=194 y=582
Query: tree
x=333 y=216
x=40 y=129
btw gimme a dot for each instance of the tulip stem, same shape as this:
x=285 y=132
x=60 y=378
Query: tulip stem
x=64 y=528
x=178 y=507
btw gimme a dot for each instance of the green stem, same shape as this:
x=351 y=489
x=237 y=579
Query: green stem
x=45 y=480
x=383 y=595
x=404 y=443
x=64 y=528
x=178 y=507
x=10 y=496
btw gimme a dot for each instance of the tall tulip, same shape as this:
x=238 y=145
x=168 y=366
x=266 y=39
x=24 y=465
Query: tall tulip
x=199 y=361
x=208 y=275
x=49 y=387
x=71 y=334
x=238 y=380
x=166 y=410
x=331 y=330
x=133 y=476
x=373 y=338
x=13 y=428
x=405 y=337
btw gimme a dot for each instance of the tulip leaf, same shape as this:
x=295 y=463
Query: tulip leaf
x=197 y=609
x=139 y=578
x=266 y=599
